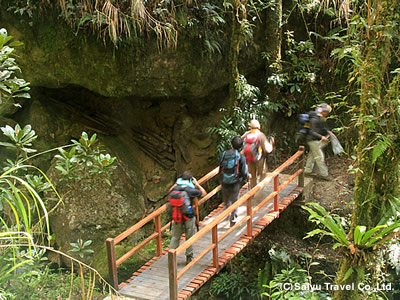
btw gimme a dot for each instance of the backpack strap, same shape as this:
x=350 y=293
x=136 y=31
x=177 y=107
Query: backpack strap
x=222 y=157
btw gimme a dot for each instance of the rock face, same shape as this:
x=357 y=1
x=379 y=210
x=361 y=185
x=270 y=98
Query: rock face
x=55 y=56
x=96 y=208
x=150 y=108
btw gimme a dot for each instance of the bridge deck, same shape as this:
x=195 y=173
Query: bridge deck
x=151 y=281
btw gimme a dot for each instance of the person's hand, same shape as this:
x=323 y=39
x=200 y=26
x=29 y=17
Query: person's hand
x=324 y=138
x=194 y=180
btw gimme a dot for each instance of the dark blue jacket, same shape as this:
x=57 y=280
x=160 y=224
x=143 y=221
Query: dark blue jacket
x=318 y=128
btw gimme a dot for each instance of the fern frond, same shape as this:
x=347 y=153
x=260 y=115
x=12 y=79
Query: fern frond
x=381 y=146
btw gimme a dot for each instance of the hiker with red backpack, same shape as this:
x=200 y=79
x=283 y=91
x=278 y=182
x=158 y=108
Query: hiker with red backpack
x=256 y=147
x=232 y=172
x=180 y=209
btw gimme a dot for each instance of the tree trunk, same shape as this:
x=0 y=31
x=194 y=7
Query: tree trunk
x=238 y=15
x=376 y=182
x=274 y=48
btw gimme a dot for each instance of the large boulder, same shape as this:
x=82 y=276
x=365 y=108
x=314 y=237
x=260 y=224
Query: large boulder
x=95 y=208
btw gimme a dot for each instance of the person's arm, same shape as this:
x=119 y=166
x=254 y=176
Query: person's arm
x=314 y=124
x=199 y=187
x=266 y=146
x=244 y=172
x=332 y=134
x=172 y=187
x=244 y=135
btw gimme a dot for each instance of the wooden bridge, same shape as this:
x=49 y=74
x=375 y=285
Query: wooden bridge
x=166 y=276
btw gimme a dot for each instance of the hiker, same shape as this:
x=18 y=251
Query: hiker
x=255 y=150
x=184 y=221
x=316 y=140
x=232 y=172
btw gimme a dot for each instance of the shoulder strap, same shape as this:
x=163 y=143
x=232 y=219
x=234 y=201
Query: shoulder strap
x=222 y=158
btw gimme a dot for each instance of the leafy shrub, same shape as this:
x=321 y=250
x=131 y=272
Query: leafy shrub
x=234 y=286
x=10 y=85
x=237 y=119
x=85 y=158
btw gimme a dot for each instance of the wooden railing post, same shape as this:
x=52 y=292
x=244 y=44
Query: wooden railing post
x=158 y=230
x=215 y=249
x=172 y=270
x=250 y=220
x=276 y=198
x=112 y=264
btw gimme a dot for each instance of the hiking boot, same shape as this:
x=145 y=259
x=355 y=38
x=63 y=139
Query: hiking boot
x=189 y=259
x=325 y=178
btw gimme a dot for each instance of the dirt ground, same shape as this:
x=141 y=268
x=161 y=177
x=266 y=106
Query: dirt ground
x=335 y=196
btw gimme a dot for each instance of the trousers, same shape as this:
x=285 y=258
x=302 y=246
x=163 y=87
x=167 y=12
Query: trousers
x=188 y=227
x=256 y=169
x=230 y=193
x=316 y=157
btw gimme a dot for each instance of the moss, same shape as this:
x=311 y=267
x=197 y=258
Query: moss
x=131 y=265
x=55 y=55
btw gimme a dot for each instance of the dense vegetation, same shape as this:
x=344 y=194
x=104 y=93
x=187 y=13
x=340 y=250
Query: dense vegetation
x=353 y=42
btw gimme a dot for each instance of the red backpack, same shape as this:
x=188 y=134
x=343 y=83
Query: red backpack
x=251 y=145
x=178 y=205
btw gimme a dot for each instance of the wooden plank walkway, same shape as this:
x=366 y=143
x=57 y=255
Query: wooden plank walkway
x=151 y=281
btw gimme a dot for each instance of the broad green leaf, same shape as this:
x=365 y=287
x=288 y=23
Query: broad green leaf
x=369 y=233
x=87 y=243
x=358 y=234
x=348 y=274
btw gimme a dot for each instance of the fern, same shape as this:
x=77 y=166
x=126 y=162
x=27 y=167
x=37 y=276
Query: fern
x=381 y=146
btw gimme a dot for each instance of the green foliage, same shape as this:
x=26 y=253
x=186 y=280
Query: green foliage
x=283 y=278
x=361 y=238
x=233 y=286
x=10 y=85
x=19 y=200
x=276 y=288
x=37 y=280
x=24 y=221
x=279 y=259
x=21 y=139
x=121 y=21
x=237 y=119
x=20 y=197
x=296 y=75
x=84 y=159
x=319 y=215
x=382 y=145
x=362 y=241
x=81 y=247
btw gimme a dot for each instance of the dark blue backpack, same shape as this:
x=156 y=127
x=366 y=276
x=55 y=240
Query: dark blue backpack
x=304 y=120
x=230 y=166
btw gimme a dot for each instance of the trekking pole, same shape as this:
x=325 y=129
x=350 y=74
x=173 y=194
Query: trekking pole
x=196 y=212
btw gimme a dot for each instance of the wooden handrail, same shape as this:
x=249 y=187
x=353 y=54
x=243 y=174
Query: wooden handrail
x=235 y=205
x=174 y=275
x=136 y=249
x=172 y=253
x=113 y=262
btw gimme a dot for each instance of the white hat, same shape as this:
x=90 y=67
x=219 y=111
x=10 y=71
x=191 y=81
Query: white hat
x=324 y=107
x=254 y=124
